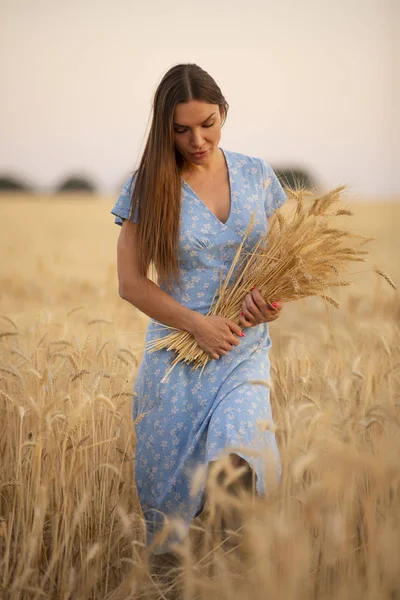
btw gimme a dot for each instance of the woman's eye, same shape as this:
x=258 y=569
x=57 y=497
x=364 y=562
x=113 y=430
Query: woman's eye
x=184 y=130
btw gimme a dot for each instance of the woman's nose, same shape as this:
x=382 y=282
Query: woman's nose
x=197 y=139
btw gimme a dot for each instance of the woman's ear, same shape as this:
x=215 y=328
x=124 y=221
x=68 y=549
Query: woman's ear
x=222 y=112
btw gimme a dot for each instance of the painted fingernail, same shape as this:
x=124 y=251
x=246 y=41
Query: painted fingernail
x=253 y=288
x=274 y=304
x=242 y=335
x=242 y=314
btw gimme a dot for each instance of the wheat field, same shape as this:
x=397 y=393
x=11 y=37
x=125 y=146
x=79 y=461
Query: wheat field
x=70 y=524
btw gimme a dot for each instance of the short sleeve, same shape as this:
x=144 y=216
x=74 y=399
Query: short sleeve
x=122 y=207
x=275 y=195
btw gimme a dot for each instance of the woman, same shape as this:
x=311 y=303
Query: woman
x=185 y=210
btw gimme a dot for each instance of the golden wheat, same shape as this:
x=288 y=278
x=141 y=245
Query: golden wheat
x=70 y=522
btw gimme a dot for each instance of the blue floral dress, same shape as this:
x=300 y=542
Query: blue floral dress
x=190 y=419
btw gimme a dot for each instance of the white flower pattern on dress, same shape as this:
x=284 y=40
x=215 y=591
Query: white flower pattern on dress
x=190 y=420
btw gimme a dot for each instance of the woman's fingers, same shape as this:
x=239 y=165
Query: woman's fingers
x=247 y=321
x=246 y=317
x=258 y=300
x=278 y=305
x=272 y=318
x=256 y=310
x=234 y=328
x=219 y=353
x=217 y=335
x=250 y=313
x=226 y=347
x=269 y=311
x=274 y=310
x=244 y=322
x=252 y=308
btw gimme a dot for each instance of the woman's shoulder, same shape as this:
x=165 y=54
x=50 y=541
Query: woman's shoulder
x=253 y=168
x=247 y=161
x=246 y=165
x=123 y=205
x=130 y=182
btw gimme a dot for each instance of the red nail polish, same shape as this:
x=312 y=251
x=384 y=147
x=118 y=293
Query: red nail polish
x=274 y=304
x=242 y=314
x=242 y=335
x=253 y=288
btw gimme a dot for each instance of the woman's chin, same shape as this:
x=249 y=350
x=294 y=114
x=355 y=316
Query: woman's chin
x=204 y=158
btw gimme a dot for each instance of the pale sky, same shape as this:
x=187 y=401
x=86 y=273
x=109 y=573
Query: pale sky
x=310 y=83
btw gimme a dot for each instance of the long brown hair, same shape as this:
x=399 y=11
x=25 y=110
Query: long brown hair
x=157 y=189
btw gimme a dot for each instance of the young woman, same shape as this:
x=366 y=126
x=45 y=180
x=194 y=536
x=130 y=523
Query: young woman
x=185 y=210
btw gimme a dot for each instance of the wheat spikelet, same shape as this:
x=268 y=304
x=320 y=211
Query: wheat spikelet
x=100 y=350
x=84 y=348
x=73 y=361
x=344 y=212
x=298 y=195
x=332 y=196
x=70 y=357
x=130 y=353
x=8 y=334
x=123 y=360
x=321 y=205
x=122 y=394
x=106 y=401
x=367 y=240
x=6 y=396
x=334 y=233
x=74 y=310
x=19 y=352
x=330 y=300
x=96 y=382
x=281 y=220
x=79 y=374
x=11 y=372
x=386 y=278
x=60 y=343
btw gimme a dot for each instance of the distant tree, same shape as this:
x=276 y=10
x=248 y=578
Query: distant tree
x=76 y=184
x=294 y=178
x=12 y=184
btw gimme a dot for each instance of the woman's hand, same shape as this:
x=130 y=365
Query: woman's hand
x=216 y=335
x=256 y=310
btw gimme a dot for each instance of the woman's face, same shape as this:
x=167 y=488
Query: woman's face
x=197 y=130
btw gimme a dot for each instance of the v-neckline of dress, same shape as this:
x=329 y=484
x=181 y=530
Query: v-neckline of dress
x=225 y=154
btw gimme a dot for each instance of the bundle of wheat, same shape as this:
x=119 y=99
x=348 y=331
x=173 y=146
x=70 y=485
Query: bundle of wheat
x=302 y=254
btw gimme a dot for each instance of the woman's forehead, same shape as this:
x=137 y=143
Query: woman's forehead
x=194 y=112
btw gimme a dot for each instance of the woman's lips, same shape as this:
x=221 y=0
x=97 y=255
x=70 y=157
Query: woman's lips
x=199 y=154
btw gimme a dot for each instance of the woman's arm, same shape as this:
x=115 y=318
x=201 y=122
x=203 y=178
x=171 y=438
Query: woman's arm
x=215 y=335
x=141 y=291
